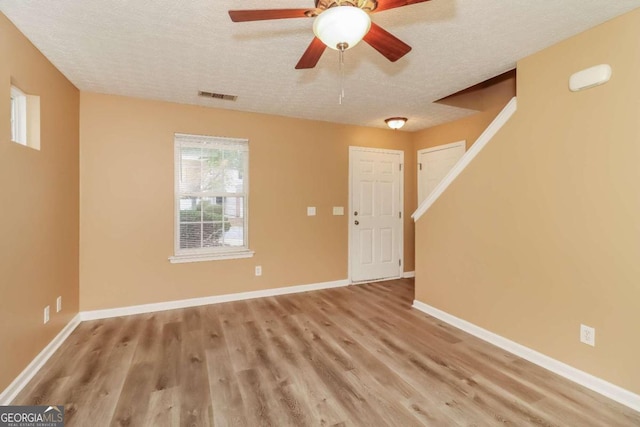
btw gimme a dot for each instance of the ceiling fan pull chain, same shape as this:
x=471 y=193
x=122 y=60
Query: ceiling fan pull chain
x=341 y=50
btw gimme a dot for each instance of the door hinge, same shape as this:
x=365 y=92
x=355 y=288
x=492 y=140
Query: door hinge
x=400 y=215
x=399 y=263
x=400 y=167
x=420 y=166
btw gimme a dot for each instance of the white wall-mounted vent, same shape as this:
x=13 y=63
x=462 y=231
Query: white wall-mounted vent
x=591 y=77
x=214 y=95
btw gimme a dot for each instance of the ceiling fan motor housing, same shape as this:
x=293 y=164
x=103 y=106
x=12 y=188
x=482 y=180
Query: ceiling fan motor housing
x=367 y=5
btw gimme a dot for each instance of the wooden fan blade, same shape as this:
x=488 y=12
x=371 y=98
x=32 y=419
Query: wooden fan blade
x=312 y=55
x=386 y=43
x=392 y=4
x=263 y=15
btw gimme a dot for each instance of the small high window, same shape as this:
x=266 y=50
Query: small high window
x=18 y=116
x=25 y=118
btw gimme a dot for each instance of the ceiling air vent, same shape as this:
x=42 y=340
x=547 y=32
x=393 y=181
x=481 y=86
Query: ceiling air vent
x=217 y=96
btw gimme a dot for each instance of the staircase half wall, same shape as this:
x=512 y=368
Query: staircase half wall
x=540 y=233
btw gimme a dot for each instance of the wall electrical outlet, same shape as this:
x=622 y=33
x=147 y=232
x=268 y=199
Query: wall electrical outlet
x=311 y=211
x=258 y=270
x=58 y=304
x=588 y=335
x=46 y=314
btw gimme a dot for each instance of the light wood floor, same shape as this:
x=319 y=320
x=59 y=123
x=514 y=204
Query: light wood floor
x=355 y=356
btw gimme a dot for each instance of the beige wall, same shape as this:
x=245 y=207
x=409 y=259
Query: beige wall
x=489 y=98
x=553 y=240
x=484 y=96
x=39 y=215
x=468 y=129
x=127 y=216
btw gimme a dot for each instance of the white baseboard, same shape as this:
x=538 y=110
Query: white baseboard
x=408 y=274
x=10 y=393
x=589 y=381
x=194 y=302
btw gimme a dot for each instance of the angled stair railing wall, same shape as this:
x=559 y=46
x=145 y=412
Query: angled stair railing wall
x=486 y=136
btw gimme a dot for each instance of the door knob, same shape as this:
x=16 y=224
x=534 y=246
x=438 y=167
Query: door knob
x=356 y=222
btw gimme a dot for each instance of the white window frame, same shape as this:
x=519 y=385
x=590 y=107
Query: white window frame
x=18 y=116
x=208 y=254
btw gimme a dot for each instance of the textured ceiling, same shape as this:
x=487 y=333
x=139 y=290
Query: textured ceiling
x=169 y=50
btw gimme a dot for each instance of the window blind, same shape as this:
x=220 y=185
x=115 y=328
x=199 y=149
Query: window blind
x=211 y=194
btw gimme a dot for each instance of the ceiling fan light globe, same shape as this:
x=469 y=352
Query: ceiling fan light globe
x=342 y=25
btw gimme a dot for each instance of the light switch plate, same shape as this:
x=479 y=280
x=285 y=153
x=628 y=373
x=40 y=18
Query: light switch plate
x=338 y=210
x=311 y=211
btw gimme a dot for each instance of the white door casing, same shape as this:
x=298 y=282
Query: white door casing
x=434 y=164
x=375 y=213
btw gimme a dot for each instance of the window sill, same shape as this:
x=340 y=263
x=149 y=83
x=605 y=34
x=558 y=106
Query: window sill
x=179 y=259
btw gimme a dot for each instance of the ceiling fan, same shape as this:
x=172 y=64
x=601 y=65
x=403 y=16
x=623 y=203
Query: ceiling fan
x=340 y=25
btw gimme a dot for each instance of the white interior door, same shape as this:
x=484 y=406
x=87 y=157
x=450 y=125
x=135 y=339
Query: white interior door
x=434 y=164
x=376 y=214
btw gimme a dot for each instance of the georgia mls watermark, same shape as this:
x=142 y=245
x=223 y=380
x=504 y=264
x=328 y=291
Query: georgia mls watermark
x=32 y=416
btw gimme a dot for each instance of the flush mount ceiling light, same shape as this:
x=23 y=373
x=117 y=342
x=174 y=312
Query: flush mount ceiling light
x=396 y=122
x=342 y=27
